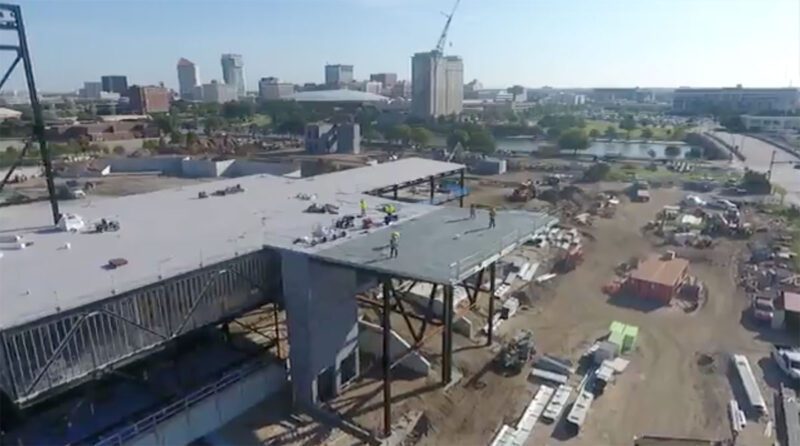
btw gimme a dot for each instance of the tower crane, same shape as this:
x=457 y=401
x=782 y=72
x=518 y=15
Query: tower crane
x=443 y=37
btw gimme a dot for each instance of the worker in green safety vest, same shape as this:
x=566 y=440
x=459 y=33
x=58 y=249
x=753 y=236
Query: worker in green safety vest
x=363 y=205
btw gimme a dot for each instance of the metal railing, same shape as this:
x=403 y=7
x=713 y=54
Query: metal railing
x=149 y=422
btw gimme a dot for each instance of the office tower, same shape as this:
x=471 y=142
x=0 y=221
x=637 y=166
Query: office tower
x=188 y=79
x=233 y=72
x=437 y=84
x=115 y=84
x=271 y=89
x=336 y=75
x=149 y=99
x=387 y=80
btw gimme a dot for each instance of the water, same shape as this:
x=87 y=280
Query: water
x=621 y=149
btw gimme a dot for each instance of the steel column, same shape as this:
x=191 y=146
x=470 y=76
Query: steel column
x=38 y=120
x=394 y=192
x=461 y=183
x=447 y=336
x=433 y=188
x=490 y=331
x=387 y=362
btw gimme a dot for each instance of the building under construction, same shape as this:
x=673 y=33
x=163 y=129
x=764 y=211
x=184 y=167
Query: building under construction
x=115 y=323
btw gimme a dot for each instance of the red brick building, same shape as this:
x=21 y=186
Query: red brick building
x=149 y=99
x=658 y=277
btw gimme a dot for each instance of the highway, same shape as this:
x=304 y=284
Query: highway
x=758 y=154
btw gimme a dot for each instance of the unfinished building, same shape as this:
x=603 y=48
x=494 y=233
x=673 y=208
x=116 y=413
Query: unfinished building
x=81 y=305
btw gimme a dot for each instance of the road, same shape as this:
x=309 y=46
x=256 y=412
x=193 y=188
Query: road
x=758 y=155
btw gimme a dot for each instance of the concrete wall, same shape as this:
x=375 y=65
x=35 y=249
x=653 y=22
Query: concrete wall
x=213 y=412
x=248 y=167
x=322 y=317
x=204 y=168
x=370 y=340
x=170 y=165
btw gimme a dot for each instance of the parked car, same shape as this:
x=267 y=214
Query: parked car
x=788 y=360
x=763 y=308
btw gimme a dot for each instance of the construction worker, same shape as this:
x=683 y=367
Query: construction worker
x=363 y=205
x=492 y=216
x=472 y=212
x=393 y=243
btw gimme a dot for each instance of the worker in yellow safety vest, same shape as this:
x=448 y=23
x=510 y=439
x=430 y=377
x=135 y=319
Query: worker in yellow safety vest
x=394 y=241
x=363 y=205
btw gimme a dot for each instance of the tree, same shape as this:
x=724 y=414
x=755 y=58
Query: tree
x=165 y=122
x=672 y=151
x=594 y=133
x=610 y=133
x=553 y=133
x=119 y=150
x=238 y=110
x=596 y=172
x=573 y=139
x=481 y=141
x=647 y=133
x=295 y=125
x=191 y=139
x=399 y=133
x=457 y=136
x=420 y=136
x=733 y=123
x=678 y=134
x=516 y=90
x=628 y=124
x=651 y=153
x=371 y=134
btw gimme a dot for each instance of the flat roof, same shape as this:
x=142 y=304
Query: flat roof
x=657 y=270
x=791 y=302
x=443 y=246
x=171 y=232
x=341 y=95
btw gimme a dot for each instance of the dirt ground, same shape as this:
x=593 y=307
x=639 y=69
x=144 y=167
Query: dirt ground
x=678 y=383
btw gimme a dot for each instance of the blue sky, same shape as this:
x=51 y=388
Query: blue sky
x=562 y=43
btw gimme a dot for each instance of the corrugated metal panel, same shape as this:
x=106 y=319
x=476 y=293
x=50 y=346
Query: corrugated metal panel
x=48 y=354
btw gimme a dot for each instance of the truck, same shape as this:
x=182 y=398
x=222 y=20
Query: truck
x=788 y=360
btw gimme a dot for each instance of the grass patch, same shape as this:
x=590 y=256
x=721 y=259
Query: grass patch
x=659 y=133
x=626 y=172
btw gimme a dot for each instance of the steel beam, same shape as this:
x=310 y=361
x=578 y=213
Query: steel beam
x=196 y=302
x=492 y=274
x=387 y=360
x=10 y=69
x=61 y=346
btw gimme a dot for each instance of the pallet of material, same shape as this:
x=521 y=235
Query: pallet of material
x=790 y=408
x=557 y=404
x=527 y=276
x=580 y=408
x=504 y=437
x=737 y=418
x=554 y=364
x=502 y=290
x=547 y=375
x=749 y=383
x=532 y=414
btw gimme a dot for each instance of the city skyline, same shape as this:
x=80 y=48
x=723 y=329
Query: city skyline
x=573 y=43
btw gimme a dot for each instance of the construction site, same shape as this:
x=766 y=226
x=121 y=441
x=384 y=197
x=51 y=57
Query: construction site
x=393 y=300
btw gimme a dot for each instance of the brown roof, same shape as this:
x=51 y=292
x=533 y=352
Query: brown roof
x=791 y=302
x=664 y=272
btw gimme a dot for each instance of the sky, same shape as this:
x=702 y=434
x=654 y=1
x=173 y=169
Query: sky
x=559 y=43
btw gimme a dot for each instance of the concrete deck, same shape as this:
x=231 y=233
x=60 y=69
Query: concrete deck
x=170 y=232
x=444 y=246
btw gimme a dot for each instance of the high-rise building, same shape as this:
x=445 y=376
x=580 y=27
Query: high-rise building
x=387 y=80
x=338 y=74
x=218 y=92
x=188 y=79
x=437 y=84
x=233 y=72
x=149 y=99
x=115 y=84
x=91 y=90
x=271 y=89
x=374 y=87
